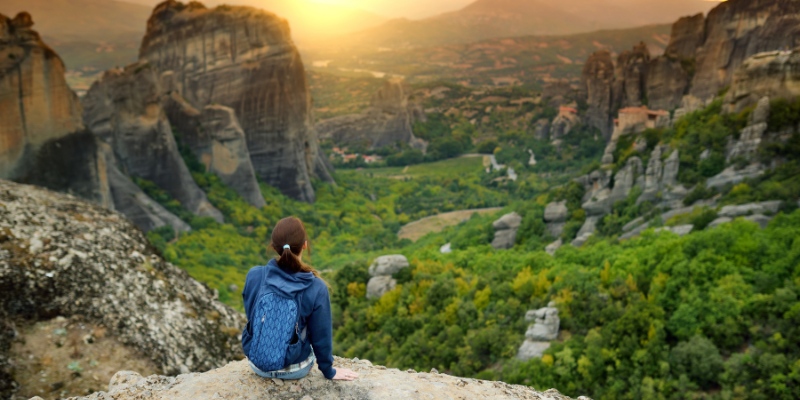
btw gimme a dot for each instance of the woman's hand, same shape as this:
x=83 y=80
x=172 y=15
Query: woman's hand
x=344 y=374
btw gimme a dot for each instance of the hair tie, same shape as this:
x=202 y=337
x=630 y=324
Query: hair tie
x=286 y=246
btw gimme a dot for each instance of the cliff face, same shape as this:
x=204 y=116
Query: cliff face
x=243 y=58
x=41 y=116
x=738 y=29
x=237 y=381
x=64 y=257
x=124 y=109
x=598 y=81
x=700 y=60
x=772 y=74
x=388 y=121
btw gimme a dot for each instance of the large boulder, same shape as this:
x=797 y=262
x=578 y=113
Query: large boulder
x=505 y=231
x=44 y=141
x=243 y=58
x=543 y=330
x=381 y=272
x=388 y=265
x=65 y=257
x=555 y=217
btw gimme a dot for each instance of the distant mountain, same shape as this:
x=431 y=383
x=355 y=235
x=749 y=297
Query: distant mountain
x=486 y=19
x=82 y=20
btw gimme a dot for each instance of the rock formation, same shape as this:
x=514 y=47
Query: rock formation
x=43 y=139
x=541 y=332
x=123 y=109
x=237 y=381
x=700 y=60
x=60 y=256
x=243 y=58
x=687 y=36
x=505 y=231
x=597 y=80
x=738 y=29
x=214 y=136
x=381 y=272
x=555 y=216
x=773 y=74
x=388 y=121
x=563 y=123
x=631 y=77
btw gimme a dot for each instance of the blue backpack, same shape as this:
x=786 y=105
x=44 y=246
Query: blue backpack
x=275 y=326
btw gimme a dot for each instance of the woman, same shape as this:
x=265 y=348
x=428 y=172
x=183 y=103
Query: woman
x=289 y=312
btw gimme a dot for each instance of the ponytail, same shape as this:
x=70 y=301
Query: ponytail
x=288 y=240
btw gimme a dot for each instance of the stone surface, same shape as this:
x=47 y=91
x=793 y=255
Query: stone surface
x=388 y=265
x=505 y=234
x=597 y=80
x=563 y=123
x=532 y=349
x=733 y=211
x=687 y=37
x=214 y=136
x=760 y=219
x=388 y=121
x=720 y=221
x=556 y=212
x=64 y=256
x=237 y=381
x=545 y=323
x=544 y=329
x=123 y=109
x=243 y=58
x=681 y=230
x=773 y=74
x=379 y=285
x=631 y=74
x=143 y=211
x=553 y=247
x=667 y=82
x=446 y=248
x=581 y=240
x=732 y=176
x=44 y=141
x=736 y=30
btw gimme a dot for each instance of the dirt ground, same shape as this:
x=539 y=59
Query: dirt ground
x=436 y=223
x=68 y=357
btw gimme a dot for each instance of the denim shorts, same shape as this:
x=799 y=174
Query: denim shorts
x=292 y=372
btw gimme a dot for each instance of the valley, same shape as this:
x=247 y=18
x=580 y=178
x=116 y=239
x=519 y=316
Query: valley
x=500 y=201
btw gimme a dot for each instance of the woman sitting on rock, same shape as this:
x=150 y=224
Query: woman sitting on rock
x=289 y=312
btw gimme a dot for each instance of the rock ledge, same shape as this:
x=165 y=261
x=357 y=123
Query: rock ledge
x=237 y=381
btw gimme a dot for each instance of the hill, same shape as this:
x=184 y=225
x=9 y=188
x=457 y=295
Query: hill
x=485 y=19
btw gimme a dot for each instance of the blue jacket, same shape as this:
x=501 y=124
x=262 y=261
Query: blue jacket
x=314 y=308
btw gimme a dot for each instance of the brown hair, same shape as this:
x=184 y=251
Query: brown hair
x=291 y=231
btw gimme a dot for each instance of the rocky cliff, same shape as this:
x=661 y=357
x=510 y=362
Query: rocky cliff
x=773 y=74
x=388 y=120
x=123 y=109
x=237 y=381
x=243 y=58
x=42 y=138
x=738 y=29
x=700 y=60
x=63 y=257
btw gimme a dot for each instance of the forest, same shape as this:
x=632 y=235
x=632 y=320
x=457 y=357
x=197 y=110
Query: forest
x=712 y=315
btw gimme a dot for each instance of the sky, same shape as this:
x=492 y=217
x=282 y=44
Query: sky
x=412 y=9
